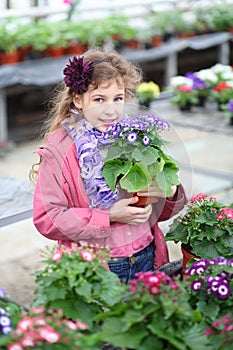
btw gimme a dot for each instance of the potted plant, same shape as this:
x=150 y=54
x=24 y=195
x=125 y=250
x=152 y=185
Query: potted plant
x=154 y=314
x=76 y=280
x=210 y=287
x=147 y=92
x=204 y=228
x=9 y=42
x=184 y=95
x=136 y=156
x=222 y=93
x=47 y=329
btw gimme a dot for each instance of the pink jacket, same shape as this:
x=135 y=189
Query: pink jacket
x=62 y=213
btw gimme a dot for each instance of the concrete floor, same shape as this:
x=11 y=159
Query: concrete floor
x=205 y=155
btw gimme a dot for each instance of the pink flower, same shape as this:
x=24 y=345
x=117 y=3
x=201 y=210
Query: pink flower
x=49 y=334
x=38 y=309
x=15 y=346
x=56 y=256
x=185 y=88
x=71 y=325
x=25 y=324
x=198 y=197
x=87 y=256
x=27 y=341
x=68 y=2
x=228 y=212
x=81 y=325
x=154 y=289
x=220 y=216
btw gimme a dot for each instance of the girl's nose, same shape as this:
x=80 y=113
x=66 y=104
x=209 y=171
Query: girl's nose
x=109 y=108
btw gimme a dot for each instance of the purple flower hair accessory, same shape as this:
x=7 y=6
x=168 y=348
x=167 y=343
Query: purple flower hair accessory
x=78 y=74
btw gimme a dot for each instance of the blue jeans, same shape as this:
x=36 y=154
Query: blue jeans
x=126 y=268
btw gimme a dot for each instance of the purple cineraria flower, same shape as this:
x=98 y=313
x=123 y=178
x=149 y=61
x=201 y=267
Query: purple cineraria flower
x=197 y=284
x=132 y=137
x=230 y=106
x=198 y=84
x=223 y=290
x=7 y=329
x=213 y=283
x=146 y=140
x=115 y=133
x=2 y=293
x=5 y=321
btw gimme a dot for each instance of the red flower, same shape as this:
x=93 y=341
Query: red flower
x=222 y=86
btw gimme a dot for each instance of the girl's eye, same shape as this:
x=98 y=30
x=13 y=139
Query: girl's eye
x=119 y=99
x=98 y=99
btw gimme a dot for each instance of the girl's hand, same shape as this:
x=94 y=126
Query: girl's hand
x=155 y=191
x=123 y=211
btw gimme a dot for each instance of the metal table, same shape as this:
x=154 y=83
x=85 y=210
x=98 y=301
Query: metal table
x=16 y=200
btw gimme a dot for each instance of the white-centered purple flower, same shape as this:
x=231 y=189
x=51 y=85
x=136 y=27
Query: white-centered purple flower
x=5 y=321
x=197 y=284
x=7 y=329
x=132 y=136
x=224 y=290
x=146 y=140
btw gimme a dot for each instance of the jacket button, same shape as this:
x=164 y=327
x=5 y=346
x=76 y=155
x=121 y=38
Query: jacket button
x=132 y=259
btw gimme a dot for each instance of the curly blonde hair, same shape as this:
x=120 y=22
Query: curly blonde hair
x=60 y=102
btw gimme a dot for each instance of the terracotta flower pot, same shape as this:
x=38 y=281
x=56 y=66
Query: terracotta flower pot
x=187 y=255
x=9 y=57
x=142 y=200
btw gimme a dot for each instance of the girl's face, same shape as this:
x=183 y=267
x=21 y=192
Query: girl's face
x=102 y=107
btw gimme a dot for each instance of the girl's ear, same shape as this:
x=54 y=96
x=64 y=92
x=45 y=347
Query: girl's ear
x=77 y=101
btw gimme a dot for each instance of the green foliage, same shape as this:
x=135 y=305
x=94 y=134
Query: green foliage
x=206 y=226
x=77 y=286
x=154 y=313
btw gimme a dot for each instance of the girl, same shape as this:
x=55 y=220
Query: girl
x=93 y=93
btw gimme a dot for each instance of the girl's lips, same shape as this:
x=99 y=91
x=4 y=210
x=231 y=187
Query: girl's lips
x=108 y=123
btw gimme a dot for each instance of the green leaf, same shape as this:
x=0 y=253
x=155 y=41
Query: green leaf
x=156 y=167
x=112 y=169
x=112 y=333
x=151 y=343
x=177 y=233
x=136 y=179
x=77 y=310
x=205 y=249
x=147 y=155
x=195 y=339
x=84 y=290
x=167 y=178
x=114 y=152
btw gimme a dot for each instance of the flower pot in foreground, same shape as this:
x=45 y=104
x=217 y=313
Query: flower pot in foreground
x=187 y=255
